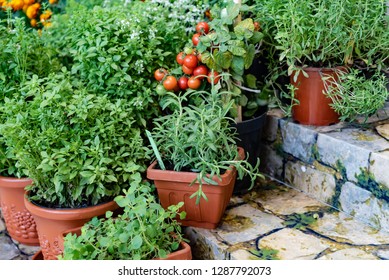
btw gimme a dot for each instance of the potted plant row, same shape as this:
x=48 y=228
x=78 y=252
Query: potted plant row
x=197 y=156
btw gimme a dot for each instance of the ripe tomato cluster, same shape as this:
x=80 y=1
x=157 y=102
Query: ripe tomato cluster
x=193 y=70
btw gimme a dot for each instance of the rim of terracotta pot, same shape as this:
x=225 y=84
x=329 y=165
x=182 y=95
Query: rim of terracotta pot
x=64 y=214
x=187 y=176
x=11 y=182
x=323 y=69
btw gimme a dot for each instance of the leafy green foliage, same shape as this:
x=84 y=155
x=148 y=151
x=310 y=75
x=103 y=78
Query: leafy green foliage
x=144 y=231
x=79 y=148
x=301 y=221
x=199 y=138
x=355 y=95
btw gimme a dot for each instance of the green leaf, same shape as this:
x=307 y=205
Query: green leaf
x=244 y=29
x=136 y=242
x=249 y=57
x=238 y=65
x=223 y=59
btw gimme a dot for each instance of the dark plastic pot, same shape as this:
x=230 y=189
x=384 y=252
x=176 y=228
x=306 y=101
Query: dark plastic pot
x=249 y=134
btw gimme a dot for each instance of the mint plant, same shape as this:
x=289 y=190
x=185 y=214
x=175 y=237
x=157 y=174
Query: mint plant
x=144 y=231
x=80 y=148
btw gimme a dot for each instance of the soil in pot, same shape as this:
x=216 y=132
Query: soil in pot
x=314 y=106
x=51 y=223
x=20 y=223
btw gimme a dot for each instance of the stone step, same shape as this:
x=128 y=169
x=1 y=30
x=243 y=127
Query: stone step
x=279 y=222
x=343 y=165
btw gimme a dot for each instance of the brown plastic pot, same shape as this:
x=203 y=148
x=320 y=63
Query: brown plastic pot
x=173 y=187
x=19 y=222
x=314 y=106
x=51 y=223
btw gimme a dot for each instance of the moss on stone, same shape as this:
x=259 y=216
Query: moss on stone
x=367 y=181
x=340 y=179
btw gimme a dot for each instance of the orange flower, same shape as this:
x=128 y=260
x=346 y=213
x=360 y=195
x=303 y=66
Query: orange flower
x=29 y=2
x=17 y=4
x=52 y=2
x=45 y=15
x=32 y=10
x=33 y=22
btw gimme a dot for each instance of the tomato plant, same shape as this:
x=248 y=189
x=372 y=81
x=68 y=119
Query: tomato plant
x=190 y=61
x=159 y=74
x=196 y=39
x=160 y=89
x=201 y=71
x=194 y=83
x=170 y=83
x=202 y=27
x=183 y=83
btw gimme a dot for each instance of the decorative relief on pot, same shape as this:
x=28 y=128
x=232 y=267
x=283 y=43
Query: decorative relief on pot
x=20 y=224
x=50 y=250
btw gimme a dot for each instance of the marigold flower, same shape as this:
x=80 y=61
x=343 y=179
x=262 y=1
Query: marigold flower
x=32 y=10
x=33 y=22
x=52 y=2
x=17 y=4
x=29 y=2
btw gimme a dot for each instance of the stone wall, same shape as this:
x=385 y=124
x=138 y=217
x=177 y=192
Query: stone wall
x=344 y=165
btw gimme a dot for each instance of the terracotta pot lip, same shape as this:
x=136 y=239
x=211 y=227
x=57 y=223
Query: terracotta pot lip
x=68 y=213
x=184 y=249
x=187 y=176
x=14 y=182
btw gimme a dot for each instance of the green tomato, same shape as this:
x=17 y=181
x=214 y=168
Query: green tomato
x=160 y=89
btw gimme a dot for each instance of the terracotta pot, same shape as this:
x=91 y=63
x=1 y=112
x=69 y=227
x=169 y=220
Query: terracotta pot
x=51 y=223
x=173 y=187
x=314 y=107
x=19 y=222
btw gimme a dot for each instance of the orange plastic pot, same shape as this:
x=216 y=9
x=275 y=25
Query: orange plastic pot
x=314 y=106
x=19 y=222
x=51 y=223
x=173 y=187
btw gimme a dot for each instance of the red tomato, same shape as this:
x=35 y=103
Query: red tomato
x=180 y=58
x=190 y=61
x=170 y=83
x=196 y=39
x=200 y=70
x=194 y=83
x=159 y=74
x=202 y=27
x=257 y=26
x=213 y=75
x=183 y=83
x=187 y=70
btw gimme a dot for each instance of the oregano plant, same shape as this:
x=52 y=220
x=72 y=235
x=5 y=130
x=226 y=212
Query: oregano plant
x=144 y=231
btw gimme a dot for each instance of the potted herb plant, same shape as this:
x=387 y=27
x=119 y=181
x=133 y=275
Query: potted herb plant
x=314 y=38
x=144 y=231
x=80 y=150
x=197 y=156
x=222 y=52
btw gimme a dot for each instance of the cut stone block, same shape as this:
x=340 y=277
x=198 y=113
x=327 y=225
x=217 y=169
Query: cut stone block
x=242 y=255
x=2 y=225
x=205 y=245
x=8 y=250
x=379 y=167
x=331 y=150
x=316 y=183
x=28 y=250
x=286 y=201
x=349 y=254
x=363 y=205
x=271 y=163
x=383 y=130
x=345 y=229
x=244 y=223
x=298 y=140
x=293 y=244
x=383 y=254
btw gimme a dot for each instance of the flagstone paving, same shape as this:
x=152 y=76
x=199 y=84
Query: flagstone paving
x=274 y=221
x=279 y=222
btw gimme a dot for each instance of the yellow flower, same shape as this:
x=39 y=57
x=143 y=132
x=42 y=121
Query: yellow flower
x=52 y=2
x=29 y=2
x=45 y=15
